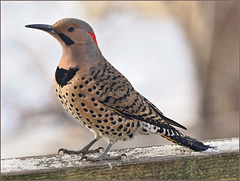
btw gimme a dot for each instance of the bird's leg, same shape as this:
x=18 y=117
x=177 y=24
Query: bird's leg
x=104 y=156
x=84 y=150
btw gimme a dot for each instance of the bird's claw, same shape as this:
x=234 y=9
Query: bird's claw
x=102 y=158
x=84 y=158
x=98 y=150
x=63 y=151
x=124 y=155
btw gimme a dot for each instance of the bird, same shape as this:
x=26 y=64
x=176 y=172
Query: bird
x=102 y=99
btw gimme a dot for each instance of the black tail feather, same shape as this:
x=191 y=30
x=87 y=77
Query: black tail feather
x=175 y=136
x=191 y=143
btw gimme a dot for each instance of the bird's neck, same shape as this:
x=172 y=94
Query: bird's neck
x=80 y=56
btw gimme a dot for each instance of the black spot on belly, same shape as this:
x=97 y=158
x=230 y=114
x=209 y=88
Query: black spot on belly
x=62 y=76
x=130 y=136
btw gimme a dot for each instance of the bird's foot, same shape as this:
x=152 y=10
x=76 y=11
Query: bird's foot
x=102 y=158
x=63 y=151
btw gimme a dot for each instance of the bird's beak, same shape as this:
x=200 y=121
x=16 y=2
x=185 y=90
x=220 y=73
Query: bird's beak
x=47 y=28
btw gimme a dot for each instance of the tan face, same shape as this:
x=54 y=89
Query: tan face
x=71 y=31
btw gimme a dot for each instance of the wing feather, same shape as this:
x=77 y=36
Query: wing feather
x=118 y=94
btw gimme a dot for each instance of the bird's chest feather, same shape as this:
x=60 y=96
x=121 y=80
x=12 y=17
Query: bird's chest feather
x=63 y=76
x=74 y=90
x=80 y=97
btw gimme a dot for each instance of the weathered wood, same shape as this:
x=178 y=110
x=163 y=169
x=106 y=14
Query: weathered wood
x=157 y=162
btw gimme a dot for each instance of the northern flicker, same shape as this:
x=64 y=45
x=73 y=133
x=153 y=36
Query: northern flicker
x=100 y=97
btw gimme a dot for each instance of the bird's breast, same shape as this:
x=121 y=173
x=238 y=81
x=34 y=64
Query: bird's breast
x=80 y=97
x=63 y=76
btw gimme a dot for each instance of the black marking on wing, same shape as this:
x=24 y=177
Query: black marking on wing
x=107 y=99
x=62 y=76
x=170 y=121
x=167 y=120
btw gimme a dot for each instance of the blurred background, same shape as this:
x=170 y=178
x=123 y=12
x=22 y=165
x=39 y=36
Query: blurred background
x=182 y=56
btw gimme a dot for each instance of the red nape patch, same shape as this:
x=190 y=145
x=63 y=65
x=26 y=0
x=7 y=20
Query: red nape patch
x=94 y=37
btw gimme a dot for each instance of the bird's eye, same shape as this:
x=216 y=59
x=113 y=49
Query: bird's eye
x=70 y=29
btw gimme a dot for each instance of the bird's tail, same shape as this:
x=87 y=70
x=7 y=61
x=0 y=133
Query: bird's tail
x=175 y=136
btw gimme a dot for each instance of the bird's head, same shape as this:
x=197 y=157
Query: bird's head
x=69 y=31
x=77 y=39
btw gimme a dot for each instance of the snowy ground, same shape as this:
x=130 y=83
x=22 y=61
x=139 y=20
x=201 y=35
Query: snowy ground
x=50 y=162
x=151 y=52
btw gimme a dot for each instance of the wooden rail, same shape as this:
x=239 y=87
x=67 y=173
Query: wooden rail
x=155 y=162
